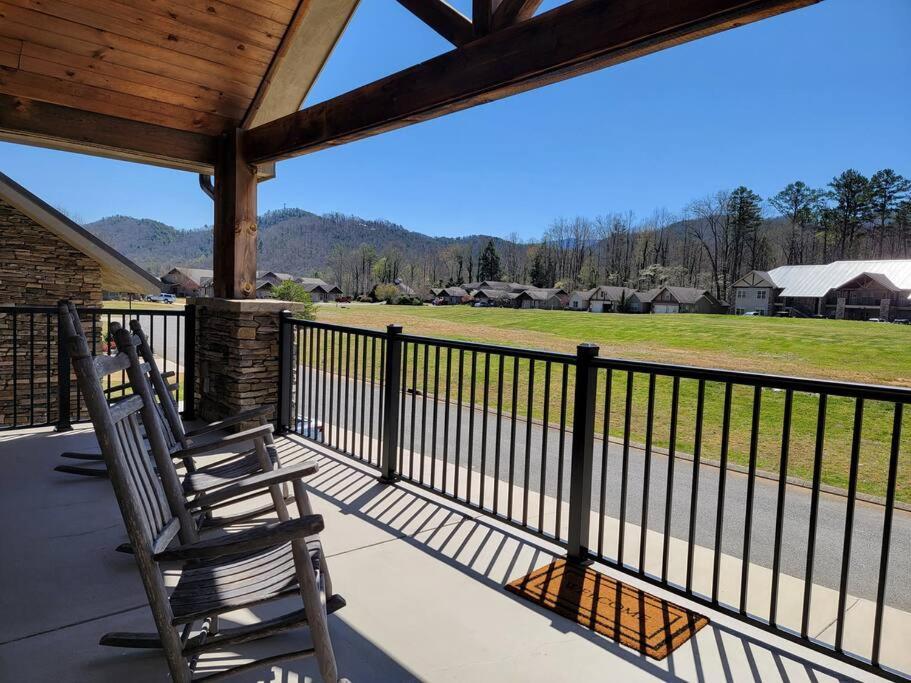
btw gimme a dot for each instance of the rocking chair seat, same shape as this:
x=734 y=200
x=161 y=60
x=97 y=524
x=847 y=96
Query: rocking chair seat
x=213 y=476
x=210 y=587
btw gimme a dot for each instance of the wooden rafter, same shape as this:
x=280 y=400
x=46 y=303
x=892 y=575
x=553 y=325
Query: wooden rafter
x=573 y=39
x=307 y=44
x=509 y=12
x=481 y=16
x=442 y=18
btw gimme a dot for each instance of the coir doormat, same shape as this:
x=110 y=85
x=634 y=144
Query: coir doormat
x=636 y=619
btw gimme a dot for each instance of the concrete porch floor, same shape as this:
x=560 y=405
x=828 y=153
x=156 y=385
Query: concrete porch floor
x=423 y=578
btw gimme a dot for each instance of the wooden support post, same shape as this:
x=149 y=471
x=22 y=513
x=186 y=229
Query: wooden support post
x=234 y=254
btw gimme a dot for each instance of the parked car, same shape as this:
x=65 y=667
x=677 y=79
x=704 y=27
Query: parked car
x=877 y=320
x=902 y=321
x=752 y=313
x=162 y=298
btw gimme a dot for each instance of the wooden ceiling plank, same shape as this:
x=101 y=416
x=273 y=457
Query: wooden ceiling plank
x=208 y=98
x=47 y=40
x=511 y=11
x=573 y=39
x=70 y=94
x=241 y=24
x=312 y=35
x=280 y=10
x=109 y=22
x=42 y=23
x=442 y=18
x=92 y=78
x=41 y=124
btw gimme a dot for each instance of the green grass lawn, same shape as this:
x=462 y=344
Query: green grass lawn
x=828 y=349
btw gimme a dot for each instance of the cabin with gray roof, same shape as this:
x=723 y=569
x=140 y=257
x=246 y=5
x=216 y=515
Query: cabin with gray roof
x=669 y=299
x=604 y=299
x=852 y=290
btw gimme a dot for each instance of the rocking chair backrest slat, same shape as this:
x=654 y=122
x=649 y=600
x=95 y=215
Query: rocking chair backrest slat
x=108 y=365
x=168 y=407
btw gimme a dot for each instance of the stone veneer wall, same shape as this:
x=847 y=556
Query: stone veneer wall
x=36 y=269
x=237 y=349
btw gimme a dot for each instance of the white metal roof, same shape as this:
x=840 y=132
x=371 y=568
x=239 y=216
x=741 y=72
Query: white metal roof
x=817 y=281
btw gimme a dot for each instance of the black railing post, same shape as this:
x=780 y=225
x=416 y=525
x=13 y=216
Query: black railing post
x=580 y=482
x=285 y=372
x=189 y=362
x=63 y=379
x=391 y=390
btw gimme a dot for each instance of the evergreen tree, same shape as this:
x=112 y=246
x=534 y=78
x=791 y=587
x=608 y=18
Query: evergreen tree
x=851 y=193
x=798 y=203
x=489 y=263
x=887 y=190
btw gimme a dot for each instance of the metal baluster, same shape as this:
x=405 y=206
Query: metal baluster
x=433 y=438
x=484 y=428
x=669 y=484
x=354 y=425
x=627 y=426
x=364 y=426
x=751 y=488
x=446 y=416
x=779 y=511
x=31 y=368
x=512 y=436
x=561 y=450
x=849 y=523
x=722 y=480
x=404 y=392
x=542 y=488
x=424 y=412
x=647 y=473
x=694 y=483
x=496 y=466
x=471 y=404
x=458 y=434
x=814 y=512
x=887 y=533
x=527 y=470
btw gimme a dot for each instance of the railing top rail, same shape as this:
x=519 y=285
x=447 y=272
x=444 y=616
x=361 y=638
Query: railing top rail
x=94 y=310
x=531 y=354
x=876 y=392
x=364 y=331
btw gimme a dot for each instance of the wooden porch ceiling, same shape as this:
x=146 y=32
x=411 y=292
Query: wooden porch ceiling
x=159 y=78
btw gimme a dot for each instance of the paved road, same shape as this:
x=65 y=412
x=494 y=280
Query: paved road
x=165 y=333
x=868 y=521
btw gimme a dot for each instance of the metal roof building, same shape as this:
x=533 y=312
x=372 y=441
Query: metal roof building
x=818 y=280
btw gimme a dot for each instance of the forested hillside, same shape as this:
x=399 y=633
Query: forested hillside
x=710 y=243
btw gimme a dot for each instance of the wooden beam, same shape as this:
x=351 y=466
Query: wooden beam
x=307 y=44
x=573 y=39
x=31 y=122
x=234 y=249
x=481 y=16
x=511 y=11
x=442 y=18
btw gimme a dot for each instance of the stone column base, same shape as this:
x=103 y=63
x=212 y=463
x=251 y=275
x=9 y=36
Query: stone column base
x=237 y=355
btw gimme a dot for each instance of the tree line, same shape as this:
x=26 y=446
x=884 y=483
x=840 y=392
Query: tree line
x=709 y=244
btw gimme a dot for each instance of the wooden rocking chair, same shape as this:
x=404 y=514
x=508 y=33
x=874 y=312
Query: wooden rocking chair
x=219 y=575
x=166 y=396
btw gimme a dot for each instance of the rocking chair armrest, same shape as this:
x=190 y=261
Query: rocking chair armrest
x=230 y=439
x=253 y=483
x=258 y=538
x=243 y=416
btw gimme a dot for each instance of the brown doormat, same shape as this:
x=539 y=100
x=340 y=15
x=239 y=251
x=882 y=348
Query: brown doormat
x=648 y=624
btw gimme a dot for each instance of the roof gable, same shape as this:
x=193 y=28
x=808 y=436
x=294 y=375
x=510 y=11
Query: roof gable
x=118 y=273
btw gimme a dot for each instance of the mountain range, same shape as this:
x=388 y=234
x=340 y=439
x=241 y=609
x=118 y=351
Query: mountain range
x=291 y=240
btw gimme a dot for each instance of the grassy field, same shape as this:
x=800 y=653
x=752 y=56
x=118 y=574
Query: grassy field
x=828 y=349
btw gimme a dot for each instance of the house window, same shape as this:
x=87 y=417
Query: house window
x=741 y=294
x=761 y=294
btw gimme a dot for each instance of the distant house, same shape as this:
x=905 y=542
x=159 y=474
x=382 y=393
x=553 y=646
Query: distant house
x=399 y=285
x=497 y=285
x=669 y=299
x=320 y=290
x=550 y=299
x=494 y=297
x=854 y=290
x=602 y=299
x=187 y=281
x=451 y=295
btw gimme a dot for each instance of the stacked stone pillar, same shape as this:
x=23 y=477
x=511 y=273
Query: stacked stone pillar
x=237 y=355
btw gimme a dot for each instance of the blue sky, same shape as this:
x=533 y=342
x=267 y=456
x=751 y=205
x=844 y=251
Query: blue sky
x=801 y=96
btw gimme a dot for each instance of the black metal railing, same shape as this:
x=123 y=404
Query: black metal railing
x=782 y=501
x=36 y=384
